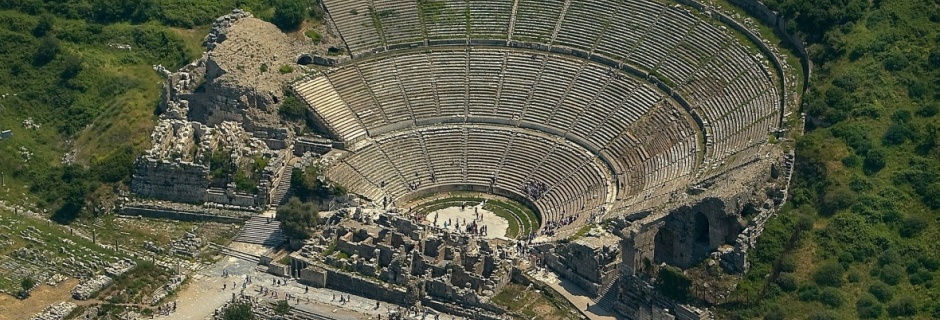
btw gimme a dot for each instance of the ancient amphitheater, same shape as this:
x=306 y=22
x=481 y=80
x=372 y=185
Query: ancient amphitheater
x=642 y=133
x=617 y=106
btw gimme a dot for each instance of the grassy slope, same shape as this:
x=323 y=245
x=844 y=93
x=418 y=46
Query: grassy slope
x=852 y=216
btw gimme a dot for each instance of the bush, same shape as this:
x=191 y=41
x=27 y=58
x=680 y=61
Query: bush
x=891 y=274
x=829 y=274
x=73 y=65
x=285 y=69
x=314 y=36
x=881 y=291
x=292 y=109
x=297 y=218
x=45 y=25
x=238 y=311
x=913 y=226
x=831 y=297
x=787 y=263
x=787 y=281
x=808 y=293
x=921 y=277
x=874 y=161
x=288 y=14
x=890 y=256
x=48 y=49
x=282 y=307
x=868 y=307
x=903 y=307
x=673 y=283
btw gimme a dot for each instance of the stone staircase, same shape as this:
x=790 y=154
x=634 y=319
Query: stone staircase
x=263 y=231
x=282 y=193
x=607 y=295
x=236 y=254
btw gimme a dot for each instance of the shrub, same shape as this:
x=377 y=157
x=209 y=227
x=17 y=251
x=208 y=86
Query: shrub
x=285 y=69
x=787 y=263
x=673 y=283
x=831 y=297
x=238 y=311
x=829 y=274
x=891 y=274
x=787 y=281
x=48 y=49
x=903 y=307
x=282 y=307
x=913 y=226
x=874 y=161
x=264 y=67
x=868 y=307
x=808 y=293
x=297 y=218
x=890 y=256
x=881 y=291
x=288 y=14
x=314 y=36
x=921 y=277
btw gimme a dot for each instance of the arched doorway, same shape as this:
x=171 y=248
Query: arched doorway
x=701 y=229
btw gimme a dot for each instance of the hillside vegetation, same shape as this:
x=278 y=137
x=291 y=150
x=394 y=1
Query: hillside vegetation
x=78 y=90
x=860 y=238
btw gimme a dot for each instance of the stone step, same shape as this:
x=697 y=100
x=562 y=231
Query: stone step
x=261 y=230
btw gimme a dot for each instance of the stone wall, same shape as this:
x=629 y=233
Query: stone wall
x=162 y=179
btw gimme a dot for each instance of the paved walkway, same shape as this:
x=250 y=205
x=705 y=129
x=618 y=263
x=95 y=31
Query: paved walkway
x=208 y=289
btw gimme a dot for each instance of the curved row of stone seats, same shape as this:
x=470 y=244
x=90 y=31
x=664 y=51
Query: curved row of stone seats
x=666 y=173
x=536 y=20
x=692 y=53
x=354 y=20
x=381 y=77
x=348 y=84
x=444 y=19
x=489 y=19
x=398 y=163
x=372 y=164
x=398 y=21
x=403 y=89
x=352 y=180
x=323 y=99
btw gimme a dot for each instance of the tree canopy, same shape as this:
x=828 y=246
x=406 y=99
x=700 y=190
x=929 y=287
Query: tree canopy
x=297 y=218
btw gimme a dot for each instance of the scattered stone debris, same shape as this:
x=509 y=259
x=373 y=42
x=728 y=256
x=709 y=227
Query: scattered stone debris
x=56 y=311
x=87 y=288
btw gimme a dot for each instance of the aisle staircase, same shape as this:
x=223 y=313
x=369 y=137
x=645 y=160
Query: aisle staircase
x=262 y=231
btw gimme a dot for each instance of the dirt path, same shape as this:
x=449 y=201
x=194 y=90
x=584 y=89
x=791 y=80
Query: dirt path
x=42 y=296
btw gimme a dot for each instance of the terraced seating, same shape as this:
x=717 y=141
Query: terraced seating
x=636 y=149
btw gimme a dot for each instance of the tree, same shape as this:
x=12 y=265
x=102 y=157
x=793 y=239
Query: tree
x=829 y=274
x=45 y=25
x=288 y=14
x=48 y=49
x=868 y=307
x=874 y=161
x=282 y=307
x=881 y=291
x=297 y=218
x=238 y=311
x=26 y=285
x=903 y=307
x=73 y=65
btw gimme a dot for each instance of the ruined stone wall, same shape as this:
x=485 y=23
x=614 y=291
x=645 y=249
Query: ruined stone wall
x=161 y=179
